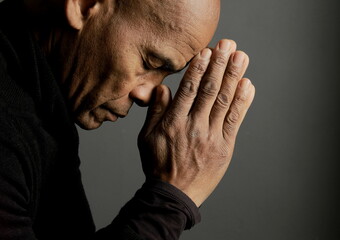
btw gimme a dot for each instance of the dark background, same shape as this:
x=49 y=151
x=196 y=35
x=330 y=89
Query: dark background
x=283 y=182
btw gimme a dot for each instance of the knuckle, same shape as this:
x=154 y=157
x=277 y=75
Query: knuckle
x=173 y=120
x=197 y=68
x=240 y=98
x=189 y=88
x=169 y=128
x=223 y=100
x=171 y=134
x=210 y=87
x=221 y=61
x=157 y=109
x=195 y=133
x=232 y=73
x=233 y=118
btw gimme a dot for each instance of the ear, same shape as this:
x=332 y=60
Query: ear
x=78 y=11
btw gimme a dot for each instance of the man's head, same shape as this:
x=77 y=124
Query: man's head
x=115 y=52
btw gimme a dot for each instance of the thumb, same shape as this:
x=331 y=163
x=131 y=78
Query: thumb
x=158 y=107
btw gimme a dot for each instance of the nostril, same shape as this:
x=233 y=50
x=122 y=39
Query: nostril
x=141 y=103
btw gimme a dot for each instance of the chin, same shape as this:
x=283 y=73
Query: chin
x=87 y=122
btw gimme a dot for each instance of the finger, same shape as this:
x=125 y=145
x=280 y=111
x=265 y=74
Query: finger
x=187 y=90
x=235 y=70
x=211 y=83
x=162 y=100
x=244 y=96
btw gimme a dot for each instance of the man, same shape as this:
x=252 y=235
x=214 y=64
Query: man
x=89 y=61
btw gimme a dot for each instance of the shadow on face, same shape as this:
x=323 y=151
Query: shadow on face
x=124 y=49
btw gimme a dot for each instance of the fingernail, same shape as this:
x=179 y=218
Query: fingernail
x=238 y=59
x=206 y=53
x=224 y=45
x=245 y=84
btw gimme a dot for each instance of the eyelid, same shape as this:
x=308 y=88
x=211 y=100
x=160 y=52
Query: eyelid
x=145 y=64
x=155 y=62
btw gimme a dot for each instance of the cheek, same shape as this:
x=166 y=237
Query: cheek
x=107 y=78
x=118 y=86
x=110 y=67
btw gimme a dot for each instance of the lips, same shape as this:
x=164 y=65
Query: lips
x=111 y=115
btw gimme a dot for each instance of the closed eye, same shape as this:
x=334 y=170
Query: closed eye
x=146 y=66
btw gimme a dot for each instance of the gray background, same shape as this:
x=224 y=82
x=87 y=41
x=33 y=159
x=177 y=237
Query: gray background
x=283 y=182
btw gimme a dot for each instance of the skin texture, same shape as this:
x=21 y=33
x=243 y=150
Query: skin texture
x=189 y=141
x=109 y=54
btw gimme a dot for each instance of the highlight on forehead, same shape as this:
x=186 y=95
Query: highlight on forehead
x=188 y=17
x=173 y=13
x=165 y=13
x=181 y=23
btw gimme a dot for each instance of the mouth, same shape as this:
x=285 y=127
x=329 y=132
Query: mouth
x=111 y=115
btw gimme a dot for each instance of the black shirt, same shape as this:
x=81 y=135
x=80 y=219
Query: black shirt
x=41 y=194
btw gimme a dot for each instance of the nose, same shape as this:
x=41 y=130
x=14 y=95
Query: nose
x=142 y=94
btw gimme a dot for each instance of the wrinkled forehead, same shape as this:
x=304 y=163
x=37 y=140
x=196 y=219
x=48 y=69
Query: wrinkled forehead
x=187 y=23
x=172 y=31
x=194 y=17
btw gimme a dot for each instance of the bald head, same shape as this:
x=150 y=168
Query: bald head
x=111 y=53
x=197 y=19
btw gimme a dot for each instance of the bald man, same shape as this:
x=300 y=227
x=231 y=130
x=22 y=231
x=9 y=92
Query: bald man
x=88 y=61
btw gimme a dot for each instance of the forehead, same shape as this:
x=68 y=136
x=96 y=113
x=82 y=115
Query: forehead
x=176 y=30
x=177 y=27
x=174 y=48
x=192 y=22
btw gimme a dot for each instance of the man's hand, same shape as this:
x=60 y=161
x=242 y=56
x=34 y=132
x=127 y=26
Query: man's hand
x=189 y=141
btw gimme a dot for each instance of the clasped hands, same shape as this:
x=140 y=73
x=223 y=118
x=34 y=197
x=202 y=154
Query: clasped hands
x=188 y=141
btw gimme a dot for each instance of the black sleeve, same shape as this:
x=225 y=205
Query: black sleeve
x=15 y=219
x=157 y=211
